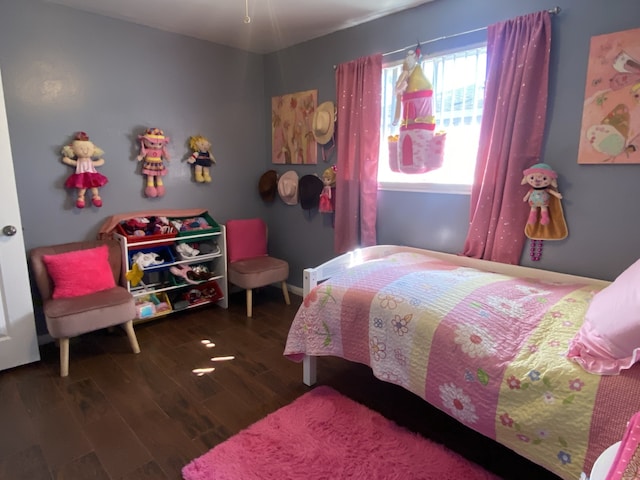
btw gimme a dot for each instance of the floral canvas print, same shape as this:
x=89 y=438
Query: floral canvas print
x=291 y=128
x=610 y=130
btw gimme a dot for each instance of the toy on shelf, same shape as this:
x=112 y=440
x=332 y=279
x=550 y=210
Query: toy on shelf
x=134 y=276
x=152 y=304
x=201 y=158
x=153 y=151
x=329 y=181
x=193 y=274
x=144 y=260
x=79 y=154
x=191 y=224
x=145 y=226
x=204 y=293
x=186 y=251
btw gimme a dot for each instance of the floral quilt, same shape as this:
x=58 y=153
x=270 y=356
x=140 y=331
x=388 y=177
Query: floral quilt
x=486 y=348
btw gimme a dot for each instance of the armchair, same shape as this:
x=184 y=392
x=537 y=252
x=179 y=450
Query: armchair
x=250 y=266
x=79 y=284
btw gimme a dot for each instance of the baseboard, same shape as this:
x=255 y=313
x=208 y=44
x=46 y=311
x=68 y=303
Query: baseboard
x=297 y=290
x=46 y=338
x=293 y=289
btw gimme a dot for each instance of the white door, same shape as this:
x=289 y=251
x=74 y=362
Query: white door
x=18 y=341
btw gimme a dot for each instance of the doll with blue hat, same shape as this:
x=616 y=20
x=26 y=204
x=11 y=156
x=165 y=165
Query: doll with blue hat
x=544 y=196
x=543 y=182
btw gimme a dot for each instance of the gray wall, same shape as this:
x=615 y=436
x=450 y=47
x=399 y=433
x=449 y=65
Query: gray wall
x=64 y=71
x=600 y=201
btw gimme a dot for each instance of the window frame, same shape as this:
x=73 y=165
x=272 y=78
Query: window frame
x=424 y=186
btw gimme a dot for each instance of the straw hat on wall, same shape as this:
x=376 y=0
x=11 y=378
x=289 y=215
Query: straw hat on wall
x=323 y=124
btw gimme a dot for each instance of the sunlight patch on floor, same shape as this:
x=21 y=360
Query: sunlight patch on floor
x=222 y=359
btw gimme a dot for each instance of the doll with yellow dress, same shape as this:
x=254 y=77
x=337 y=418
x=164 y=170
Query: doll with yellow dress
x=202 y=159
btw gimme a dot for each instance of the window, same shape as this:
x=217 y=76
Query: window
x=458 y=80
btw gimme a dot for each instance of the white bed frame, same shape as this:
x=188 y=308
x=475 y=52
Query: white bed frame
x=314 y=276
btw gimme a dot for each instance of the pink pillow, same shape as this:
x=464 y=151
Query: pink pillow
x=246 y=239
x=80 y=272
x=609 y=339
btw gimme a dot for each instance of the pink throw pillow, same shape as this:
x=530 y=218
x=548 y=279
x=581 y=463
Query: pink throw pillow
x=246 y=239
x=609 y=339
x=80 y=272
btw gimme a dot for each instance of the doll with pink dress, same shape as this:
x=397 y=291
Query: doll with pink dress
x=154 y=152
x=80 y=154
x=329 y=181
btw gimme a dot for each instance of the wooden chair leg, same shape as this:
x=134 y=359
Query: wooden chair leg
x=64 y=357
x=133 y=340
x=249 y=302
x=285 y=292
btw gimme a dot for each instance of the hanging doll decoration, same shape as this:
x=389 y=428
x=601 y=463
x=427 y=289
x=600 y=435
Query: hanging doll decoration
x=201 y=158
x=153 y=151
x=543 y=196
x=326 y=197
x=418 y=148
x=79 y=154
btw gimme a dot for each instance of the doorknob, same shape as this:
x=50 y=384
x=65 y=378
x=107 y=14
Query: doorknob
x=9 y=230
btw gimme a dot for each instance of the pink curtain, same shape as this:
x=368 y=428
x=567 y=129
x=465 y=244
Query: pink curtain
x=513 y=122
x=358 y=86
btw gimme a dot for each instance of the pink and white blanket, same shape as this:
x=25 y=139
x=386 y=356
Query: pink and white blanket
x=486 y=348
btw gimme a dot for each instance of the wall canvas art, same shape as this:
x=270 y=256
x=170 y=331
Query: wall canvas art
x=610 y=131
x=292 y=140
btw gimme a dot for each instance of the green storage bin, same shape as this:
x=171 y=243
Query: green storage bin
x=180 y=224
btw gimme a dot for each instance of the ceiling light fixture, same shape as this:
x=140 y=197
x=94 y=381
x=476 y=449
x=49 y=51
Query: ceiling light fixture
x=247 y=18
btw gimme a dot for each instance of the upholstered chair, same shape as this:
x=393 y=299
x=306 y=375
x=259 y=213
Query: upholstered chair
x=250 y=265
x=80 y=286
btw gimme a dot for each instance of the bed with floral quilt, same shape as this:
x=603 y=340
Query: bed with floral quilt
x=484 y=342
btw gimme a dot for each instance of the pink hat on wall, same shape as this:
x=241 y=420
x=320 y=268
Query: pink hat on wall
x=288 y=187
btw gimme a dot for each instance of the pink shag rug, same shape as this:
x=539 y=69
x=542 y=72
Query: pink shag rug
x=325 y=435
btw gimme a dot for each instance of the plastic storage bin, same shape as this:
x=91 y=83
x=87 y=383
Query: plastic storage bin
x=145 y=238
x=155 y=254
x=153 y=305
x=188 y=226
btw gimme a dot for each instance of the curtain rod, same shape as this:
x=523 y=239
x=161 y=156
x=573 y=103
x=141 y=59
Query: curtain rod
x=552 y=11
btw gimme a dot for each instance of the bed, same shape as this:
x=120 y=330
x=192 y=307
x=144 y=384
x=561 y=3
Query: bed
x=482 y=341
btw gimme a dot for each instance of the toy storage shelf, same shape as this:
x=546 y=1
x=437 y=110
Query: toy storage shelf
x=159 y=281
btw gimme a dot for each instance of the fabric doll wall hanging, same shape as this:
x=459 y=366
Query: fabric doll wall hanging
x=546 y=217
x=154 y=152
x=201 y=158
x=326 y=197
x=80 y=154
x=417 y=148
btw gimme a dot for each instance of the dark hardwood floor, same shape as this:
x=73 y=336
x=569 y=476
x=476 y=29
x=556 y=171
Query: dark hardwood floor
x=125 y=416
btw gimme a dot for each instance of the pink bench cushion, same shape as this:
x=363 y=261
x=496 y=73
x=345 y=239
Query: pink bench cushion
x=258 y=272
x=246 y=239
x=69 y=317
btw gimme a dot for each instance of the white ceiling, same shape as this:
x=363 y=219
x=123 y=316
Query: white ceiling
x=275 y=24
